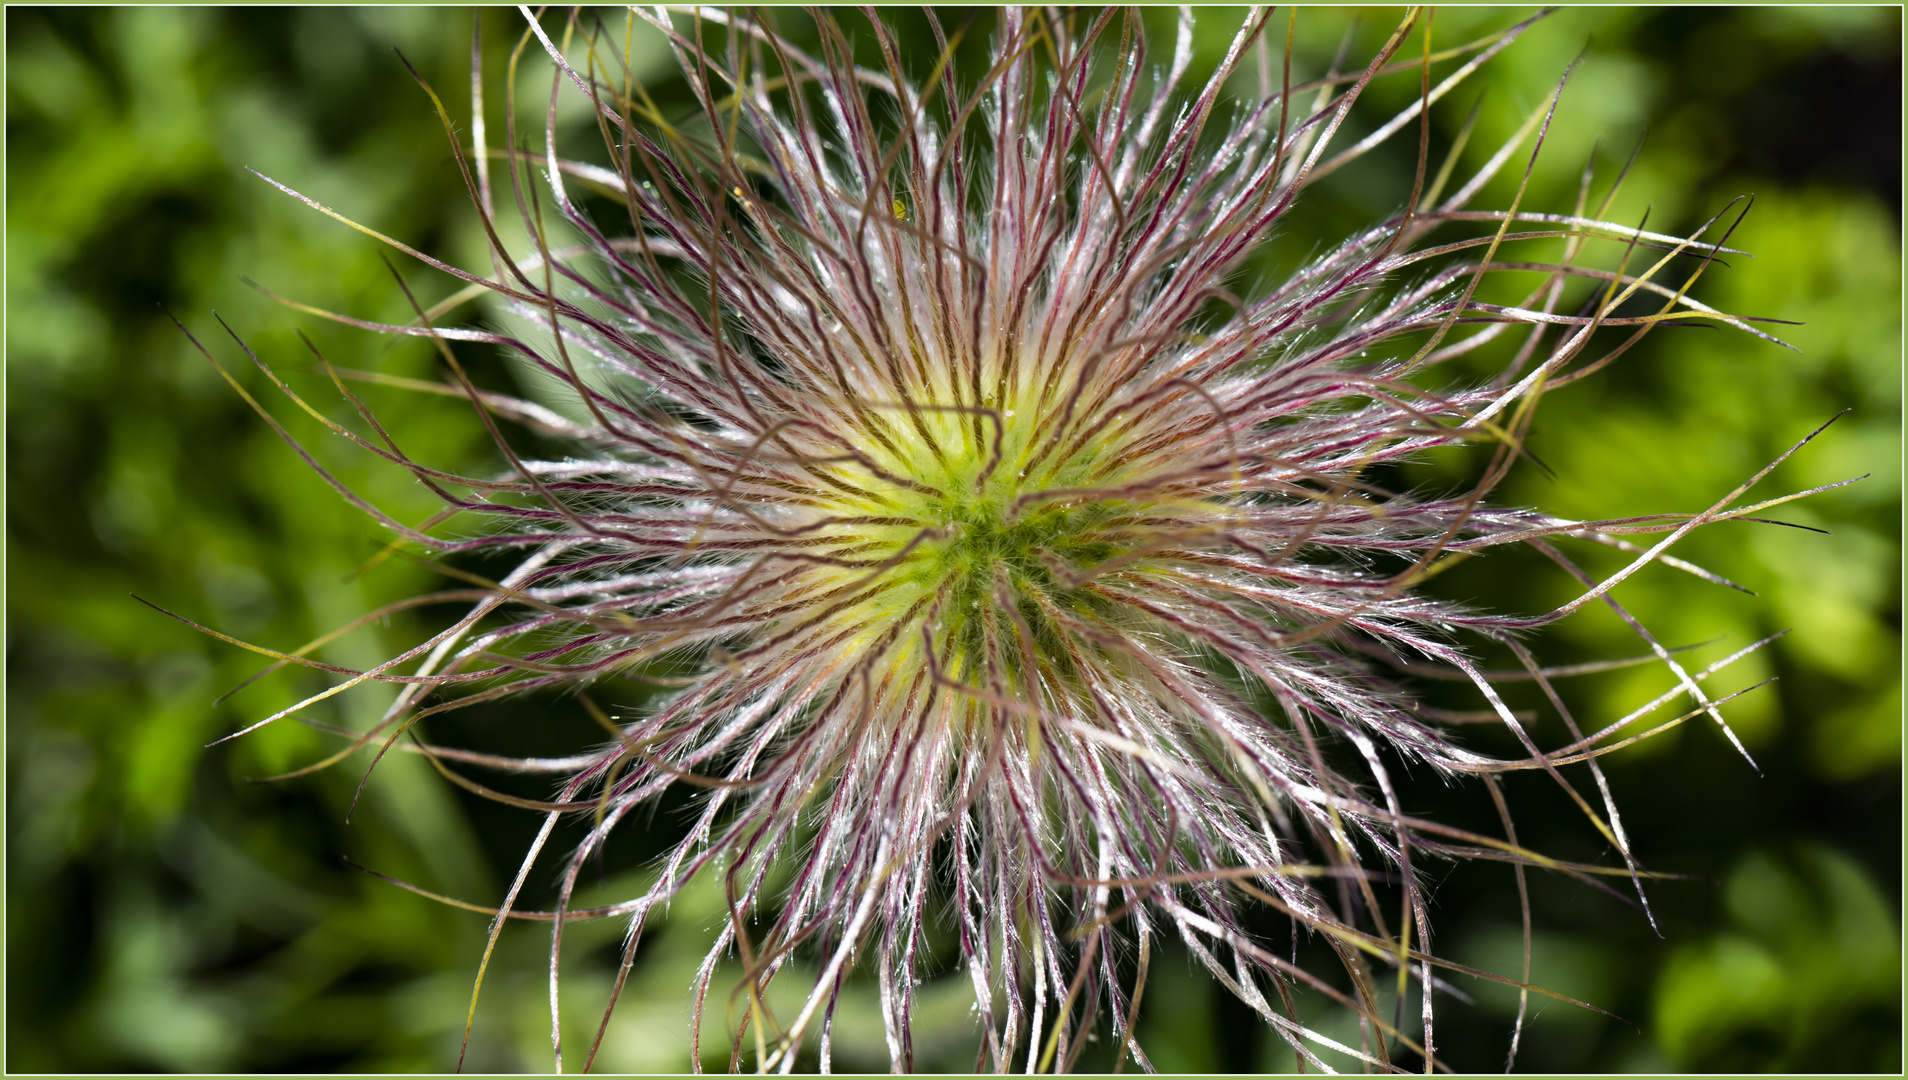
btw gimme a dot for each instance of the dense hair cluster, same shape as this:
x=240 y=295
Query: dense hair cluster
x=1012 y=569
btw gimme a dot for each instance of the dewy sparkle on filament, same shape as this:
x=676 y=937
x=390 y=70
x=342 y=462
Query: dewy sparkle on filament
x=1023 y=571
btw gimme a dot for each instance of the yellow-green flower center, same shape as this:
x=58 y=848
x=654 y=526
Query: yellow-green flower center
x=989 y=547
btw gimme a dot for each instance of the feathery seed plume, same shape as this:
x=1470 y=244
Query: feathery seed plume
x=1030 y=574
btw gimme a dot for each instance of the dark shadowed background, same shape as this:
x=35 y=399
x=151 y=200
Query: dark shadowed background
x=164 y=912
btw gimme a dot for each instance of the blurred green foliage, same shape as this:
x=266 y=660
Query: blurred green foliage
x=165 y=912
x=1799 y=981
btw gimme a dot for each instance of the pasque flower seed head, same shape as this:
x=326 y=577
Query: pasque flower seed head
x=1021 y=568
